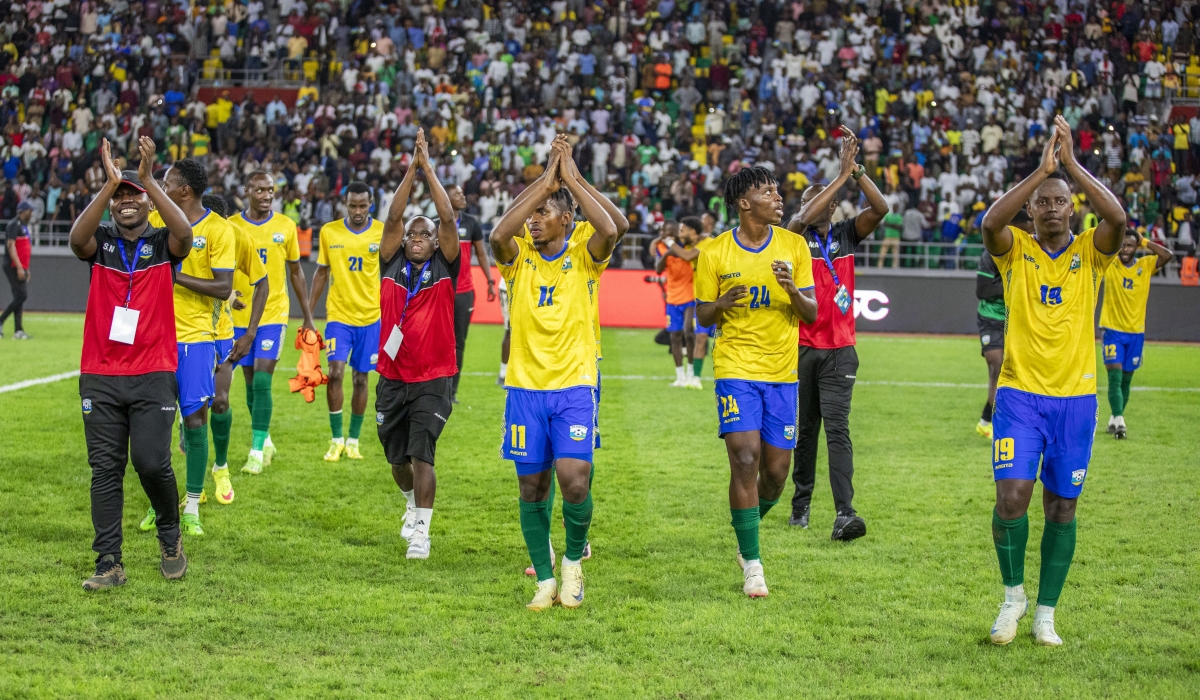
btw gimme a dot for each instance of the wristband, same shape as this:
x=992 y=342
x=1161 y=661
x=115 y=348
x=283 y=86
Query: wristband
x=859 y=172
x=1144 y=243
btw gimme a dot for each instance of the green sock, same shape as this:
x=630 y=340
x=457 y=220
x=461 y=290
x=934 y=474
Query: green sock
x=1116 y=398
x=697 y=365
x=250 y=398
x=765 y=506
x=578 y=517
x=1058 y=548
x=745 y=526
x=335 y=423
x=1010 y=538
x=356 y=420
x=1126 y=380
x=197 y=457
x=222 y=424
x=261 y=417
x=535 y=526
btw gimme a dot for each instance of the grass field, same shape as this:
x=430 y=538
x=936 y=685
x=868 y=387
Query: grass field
x=301 y=588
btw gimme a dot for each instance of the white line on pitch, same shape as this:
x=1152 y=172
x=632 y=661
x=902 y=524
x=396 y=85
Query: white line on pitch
x=39 y=380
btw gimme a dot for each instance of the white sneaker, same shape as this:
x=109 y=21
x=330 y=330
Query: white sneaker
x=694 y=383
x=755 y=584
x=1112 y=424
x=571 y=595
x=1043 y=629
x=1004 y=630
x=408 y=530
x=1119 y=431
x=418 y=548
x=547 y=593
x=679 y=383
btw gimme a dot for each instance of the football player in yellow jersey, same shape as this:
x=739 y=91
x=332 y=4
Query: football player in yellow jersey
x=250 y=268
x=746 y=289
x=274 y=237
x=202 y=282
x=1123 y=319
x=349 y=259
x=1045 y=410
x=551 y=273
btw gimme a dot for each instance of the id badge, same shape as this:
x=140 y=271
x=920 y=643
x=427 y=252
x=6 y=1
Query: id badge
x=392 y=346
x=842 y=299
x=124 y=325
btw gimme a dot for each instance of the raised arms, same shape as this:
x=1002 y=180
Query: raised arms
x=1111 y=229
x=447 y=227
x=997 y=236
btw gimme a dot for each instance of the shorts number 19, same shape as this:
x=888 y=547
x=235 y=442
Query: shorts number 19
x=1002 y=450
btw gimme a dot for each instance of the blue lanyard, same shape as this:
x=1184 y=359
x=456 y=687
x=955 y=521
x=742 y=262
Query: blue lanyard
x=824 y=246
x=413 y=288
x=130 y=265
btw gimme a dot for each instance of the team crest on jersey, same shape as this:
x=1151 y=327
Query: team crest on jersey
x=1075 y=262
x=267 y=344
x=379 y=417
x=146 y=250
x=789 y=432
x=425 y=277
x=278 y=238
x=566 y=264
x=578 y=432
x=834 y=246
x=199 y=242
x=1139 y=272
x=373 y=248
x=87 y=406
x=1077 y=477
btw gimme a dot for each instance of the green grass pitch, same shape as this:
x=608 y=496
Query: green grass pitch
x=301 y=588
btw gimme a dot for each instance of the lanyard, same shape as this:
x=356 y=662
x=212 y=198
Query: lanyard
x=824 y=245
x=130 y=265
x=413 y=288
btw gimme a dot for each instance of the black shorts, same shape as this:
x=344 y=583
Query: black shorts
x=991 y=334
x=411 y=417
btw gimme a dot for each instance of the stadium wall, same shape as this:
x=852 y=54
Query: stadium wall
x=902 y=302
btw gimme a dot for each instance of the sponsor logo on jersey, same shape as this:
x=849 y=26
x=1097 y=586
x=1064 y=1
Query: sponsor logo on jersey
x=730 y=275
x=87 y=406
x=1077 y=477
x=278 y=238
x=1006 y=465
x=334 y=247
x=199 y=242
x=578 y=432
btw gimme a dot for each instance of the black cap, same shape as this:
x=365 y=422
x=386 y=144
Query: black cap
x=130 y=177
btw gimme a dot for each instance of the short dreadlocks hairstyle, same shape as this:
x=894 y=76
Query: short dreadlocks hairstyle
x=742 y=182
x=563 y=200
x=193 y=174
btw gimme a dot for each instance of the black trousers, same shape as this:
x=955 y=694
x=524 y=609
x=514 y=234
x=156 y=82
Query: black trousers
x=129 y=418
x=826 y=379
x=19 y=295
x=464 y=306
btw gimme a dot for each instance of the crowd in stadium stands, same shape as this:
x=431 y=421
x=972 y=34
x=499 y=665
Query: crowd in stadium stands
x=662 y=100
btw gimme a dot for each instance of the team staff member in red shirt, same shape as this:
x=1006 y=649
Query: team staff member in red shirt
x=416 y=351
x=16 y=245
x=828 y=362
x=470 y=236
x=127 y=375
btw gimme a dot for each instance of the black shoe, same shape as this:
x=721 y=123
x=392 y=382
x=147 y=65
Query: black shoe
x=848 y=527
x=174 y=561
x=109 y=574
x=799 y=518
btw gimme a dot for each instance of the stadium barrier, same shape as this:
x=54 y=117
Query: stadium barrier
x=902 y=301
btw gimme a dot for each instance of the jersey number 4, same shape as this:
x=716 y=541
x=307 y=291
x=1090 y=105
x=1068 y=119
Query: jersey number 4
x=759 y=296
x=1051 y=296
x=356 y=264
x=728 y=405
x=546 y=296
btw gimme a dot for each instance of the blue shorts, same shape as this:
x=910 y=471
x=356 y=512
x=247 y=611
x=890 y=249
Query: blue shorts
x=194 y=375
x=224 y=347
x=268 y=343
x=1123 y=349
x=710 y=331
x=767 y=407
x=358 y=344
x=598 y=385
x=675 y=315
x=1055 y=431
x=543 y=426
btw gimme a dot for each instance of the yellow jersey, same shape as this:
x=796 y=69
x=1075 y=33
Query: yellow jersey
x=196 y=315
x=274 y=239
x=552 y=307
x=756 y=342
x=1126 y=290
x=584 y=230
x=248 y=272
x=1050 y=304
x=353 y=261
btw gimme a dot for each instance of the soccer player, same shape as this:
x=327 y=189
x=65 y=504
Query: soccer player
x=989 y=289
x=202 y=284
x=691 y=230
x=681 y=295
x=274 y=238
x=416 y=357
x=127 y=371
x=1123 y=319
x=470 y=237
x=1046 y=396
x=552 y=265
x=745 y=287
x=248 y=272
x=828 y=361
x=349 y=260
